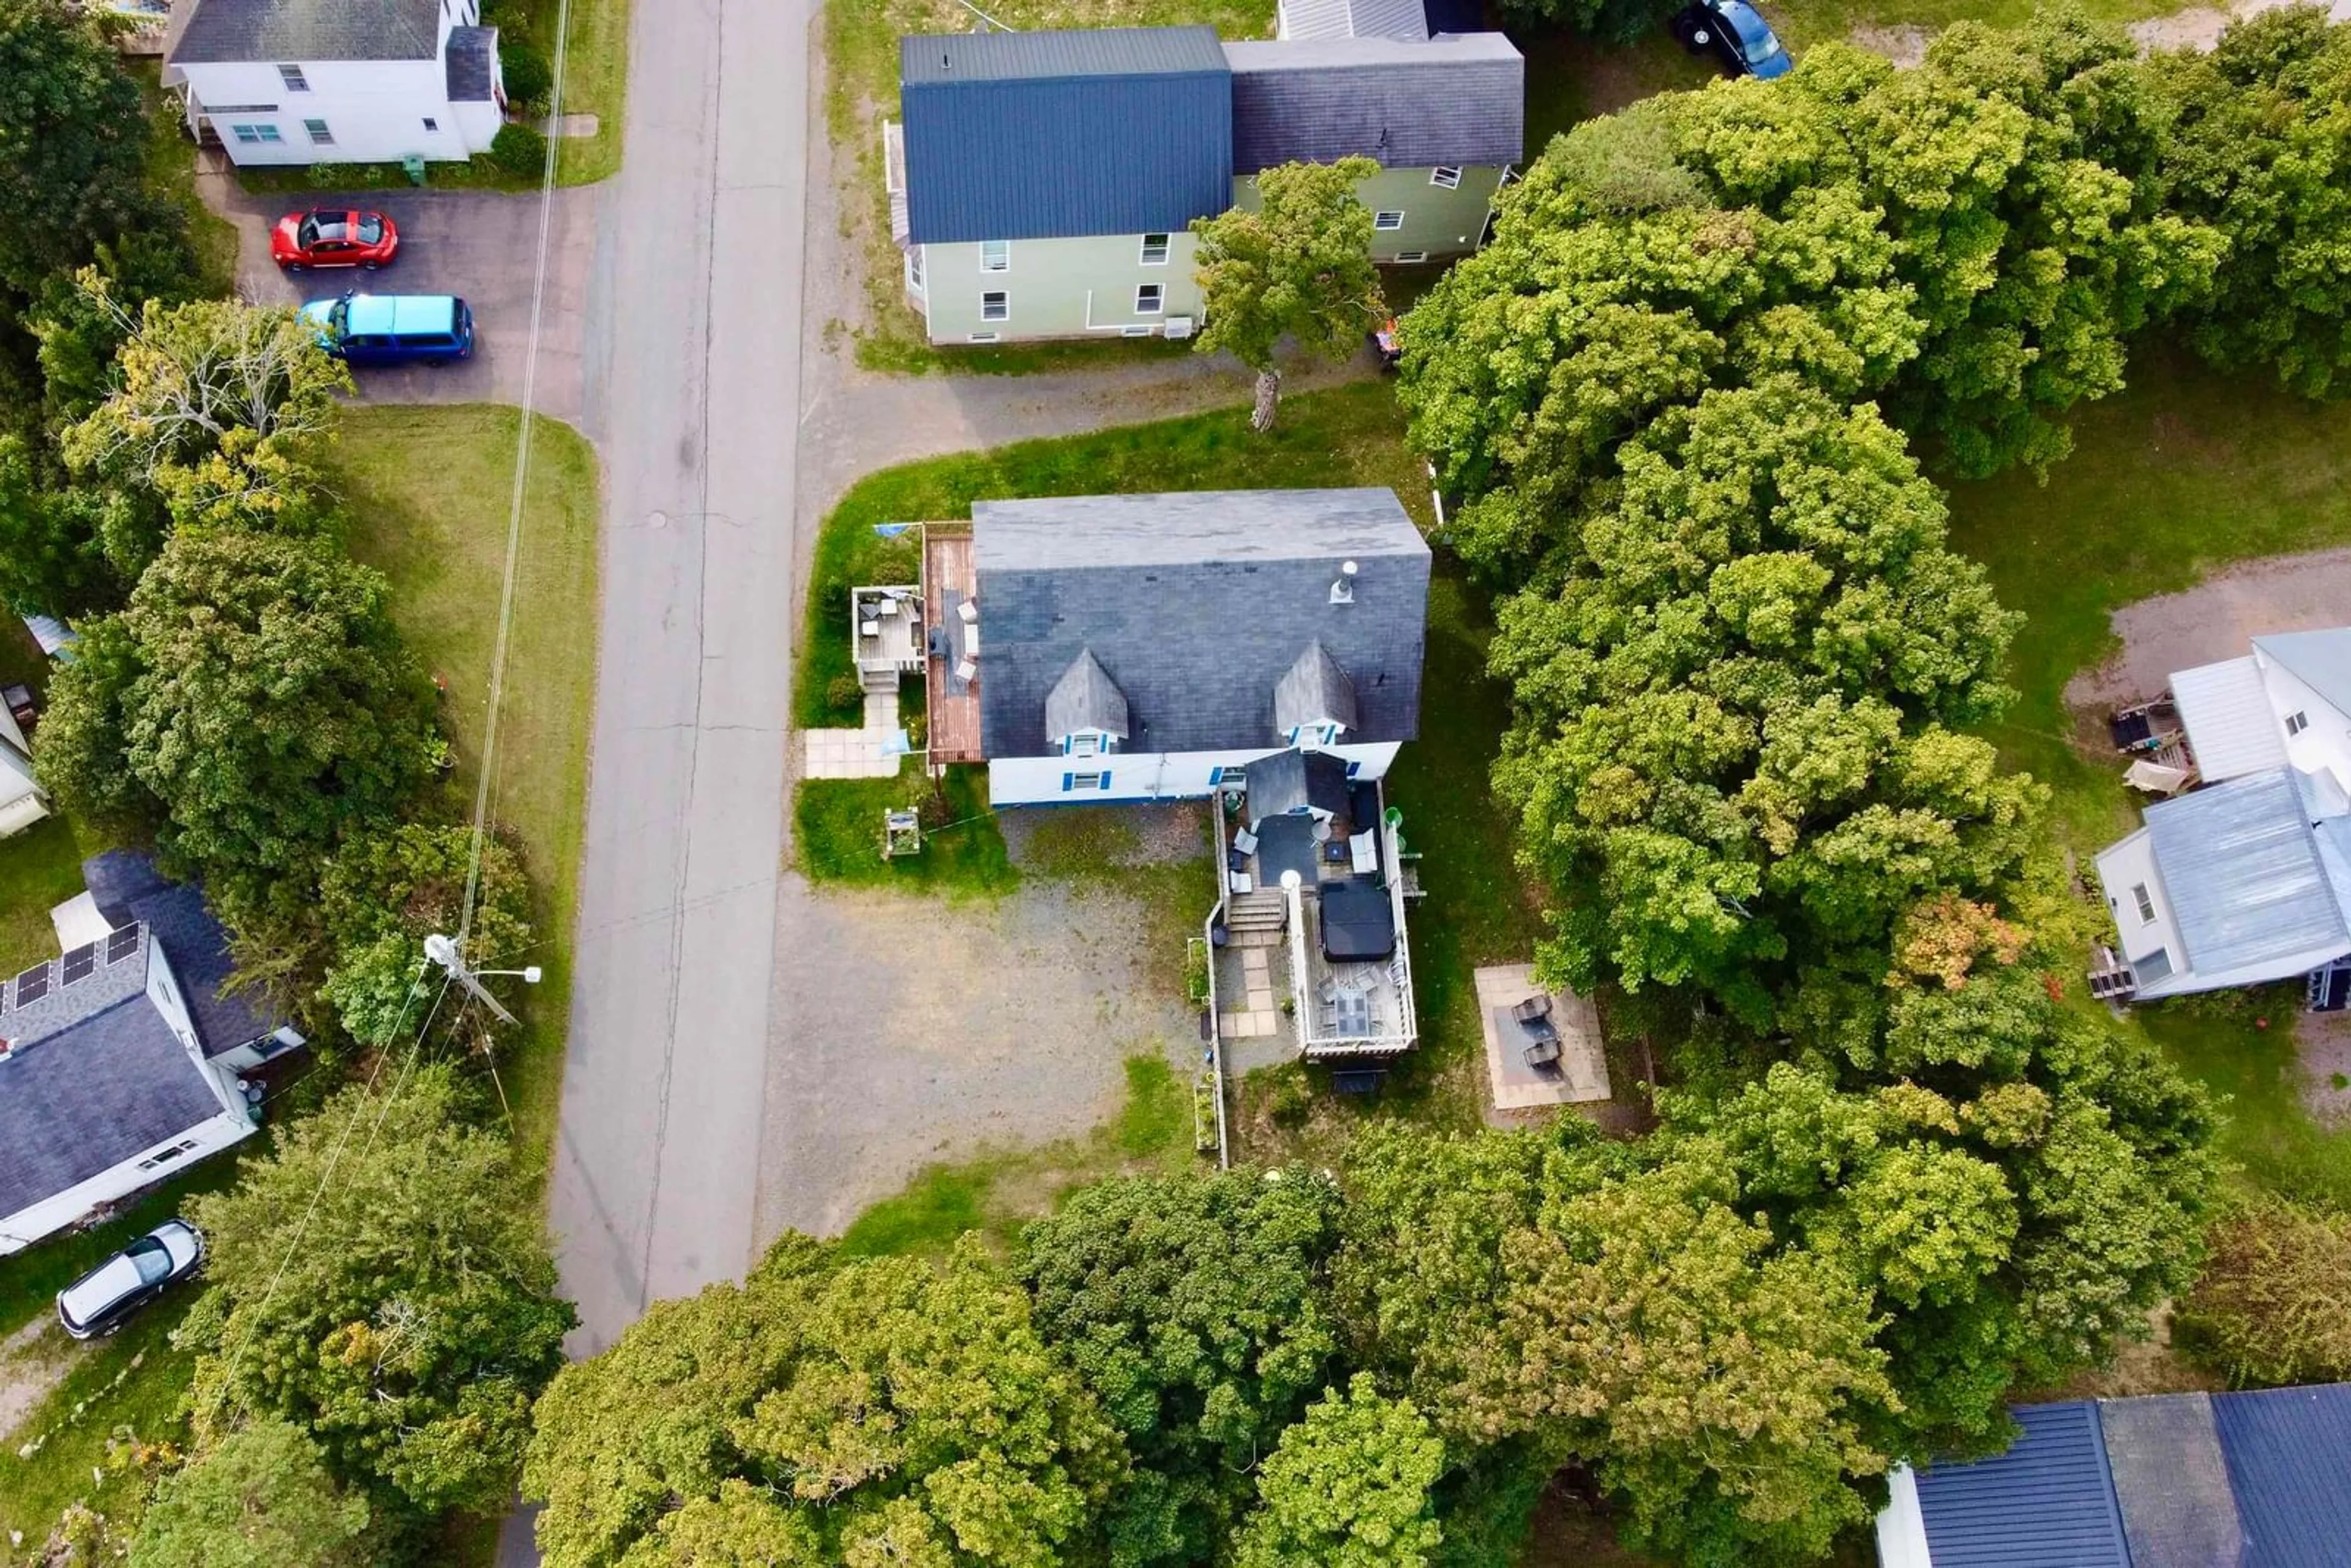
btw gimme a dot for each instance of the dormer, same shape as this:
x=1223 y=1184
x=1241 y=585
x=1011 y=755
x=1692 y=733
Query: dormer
x=1085 y=713
x=1315 y=701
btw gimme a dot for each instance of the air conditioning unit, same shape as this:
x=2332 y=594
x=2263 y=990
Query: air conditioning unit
x=1179 y=326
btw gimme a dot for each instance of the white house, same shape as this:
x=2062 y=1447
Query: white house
x=2247 y=880
x=338 y=81
x=1153 y=647
x=119 y=1061
x=21 y=801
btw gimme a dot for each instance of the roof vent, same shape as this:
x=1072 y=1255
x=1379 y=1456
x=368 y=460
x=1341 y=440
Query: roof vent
x=1342 y=587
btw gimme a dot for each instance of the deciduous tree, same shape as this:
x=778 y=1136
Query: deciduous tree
x=1298 y=265
x=2269 y=1307
x=383 y=1281
x=1348 y=1487
x=259 y=1497
x=384 y=891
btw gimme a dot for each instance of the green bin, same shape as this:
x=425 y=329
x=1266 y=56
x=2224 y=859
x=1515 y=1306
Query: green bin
x=414 y=164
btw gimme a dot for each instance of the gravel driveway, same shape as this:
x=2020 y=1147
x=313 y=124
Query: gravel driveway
x=943 y=1027
x=480 y=245
x=2215 y=619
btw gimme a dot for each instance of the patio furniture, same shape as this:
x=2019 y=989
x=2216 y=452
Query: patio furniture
x=1236 y=860
x=889 y=606
x=1242 y=882
x=1363 y=1081
x=966 y=672
x=1533 y=1008
x=1245 y=842
x=971 y=638
x=1351 y=1014
x=869 y=628
x=1364 y=854
x=1543 y=1053
x=968 y=612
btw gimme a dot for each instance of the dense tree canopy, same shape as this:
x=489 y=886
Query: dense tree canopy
x=1297 y=265
x=1198 y=1312
x=403 y=1313
x=851 y=1412
x=260 y=1498
x=384 y=891
x=2270 y=1308
x=256 y=698
x=1348 y=1487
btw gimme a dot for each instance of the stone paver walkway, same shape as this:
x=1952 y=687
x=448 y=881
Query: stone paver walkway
x=1254 y=1014
x=855 y=753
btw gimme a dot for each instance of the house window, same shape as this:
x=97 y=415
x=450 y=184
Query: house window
x=1228 y=778
x=914 y=267
x=2295 y=723
x=430 y=123
x=1387 y=223
x=1154 y=250
x=1148 y=299
x=1353 y=769
x=2146 y=902
x=252 y=135
x=994 y=305
x=320 y=135
x=1072 y=783
x=1082 y=745
x=1448 y=178
x=292 y=77
x=1405 y=256
x=996 y=255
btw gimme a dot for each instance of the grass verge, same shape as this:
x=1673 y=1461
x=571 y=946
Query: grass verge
x=836 y=833
x=427 y=491
x=1802 y=23
x=2172 y=480
x=861 y=44
x=1000 y=1190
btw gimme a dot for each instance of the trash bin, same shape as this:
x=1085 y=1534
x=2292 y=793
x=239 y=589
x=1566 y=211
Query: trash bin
x=414 y=164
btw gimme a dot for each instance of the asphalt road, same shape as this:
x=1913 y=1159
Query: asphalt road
x=692 y=378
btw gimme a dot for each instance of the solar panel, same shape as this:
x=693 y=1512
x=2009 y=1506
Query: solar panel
x=80 y=963
x=33 y=984
x=120 y=945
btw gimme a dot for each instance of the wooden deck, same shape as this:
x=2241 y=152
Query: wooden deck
x=953 y=703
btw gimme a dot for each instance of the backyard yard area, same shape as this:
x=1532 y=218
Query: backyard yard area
x=2171 y=484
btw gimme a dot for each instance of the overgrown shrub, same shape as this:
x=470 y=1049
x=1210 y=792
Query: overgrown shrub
x=520 y=150
x=2268 y=1309
x=530 y=80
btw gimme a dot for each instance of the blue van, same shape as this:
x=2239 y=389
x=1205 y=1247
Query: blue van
x=392 y=329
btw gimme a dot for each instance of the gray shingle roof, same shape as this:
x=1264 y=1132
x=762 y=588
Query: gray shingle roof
x=1197 y=604
x=296 y=31
x=1296 y=782
x=2320 y=660
x=1085 y=697
x=1315 y=690
x=1047 y=135
x=1458 y=100
x=127 y=889
x=1304 y=19
x=472 y=64
x=2243 y=869
x=84 y=1099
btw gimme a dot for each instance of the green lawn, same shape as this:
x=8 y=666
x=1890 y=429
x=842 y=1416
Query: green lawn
x=861 y=43
x=1000 y=1190
x=428 y=490
x=2170 y=481
x=836 y=833
x=595 y=81
x=1570 y=78
x=1802 y=23
x=172 y=166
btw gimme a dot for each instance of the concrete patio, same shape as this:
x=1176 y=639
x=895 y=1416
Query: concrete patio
x=1580 y=1075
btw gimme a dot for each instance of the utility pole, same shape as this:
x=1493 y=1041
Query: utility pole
x=443 y=952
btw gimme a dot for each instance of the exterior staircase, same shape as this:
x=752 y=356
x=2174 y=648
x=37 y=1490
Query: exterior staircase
x=1256 y=919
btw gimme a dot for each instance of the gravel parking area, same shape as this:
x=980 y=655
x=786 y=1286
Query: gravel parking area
x=2212 y=620
x=909 y=1030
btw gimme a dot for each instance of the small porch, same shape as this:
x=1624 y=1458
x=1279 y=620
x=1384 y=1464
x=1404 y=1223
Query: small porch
x=952 y=645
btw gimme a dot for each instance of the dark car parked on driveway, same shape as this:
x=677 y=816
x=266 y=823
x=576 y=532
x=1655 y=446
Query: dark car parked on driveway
x=102 y=1300
x=1736 y=34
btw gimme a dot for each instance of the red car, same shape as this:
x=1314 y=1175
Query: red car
x=333 y=239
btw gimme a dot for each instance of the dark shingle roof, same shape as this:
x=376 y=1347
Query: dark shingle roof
x=1458 y=100
x=296 y=31
x=472 y=64
x=127 y=888
x=1311 y=19
x=2048 y=1500
x=89 y=1098
x=1047 y=135
x=1085 y=697
x=1315 y=690
x=1296 y=782
x=1197 y=604
x=2288 y=1453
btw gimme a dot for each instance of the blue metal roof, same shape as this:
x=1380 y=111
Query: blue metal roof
x=1018 y=136
x=2048 y=1502
x=2288 y=1453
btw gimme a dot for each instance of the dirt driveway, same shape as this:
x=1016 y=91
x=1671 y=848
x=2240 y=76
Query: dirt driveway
x=940 y=1027
x=2215 y=619
x=482 y=246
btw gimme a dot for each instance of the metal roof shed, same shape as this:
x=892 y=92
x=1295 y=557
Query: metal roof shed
x=1057 y=135
x=2049 y=1499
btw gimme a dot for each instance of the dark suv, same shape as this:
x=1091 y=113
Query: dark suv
x=1736 y=34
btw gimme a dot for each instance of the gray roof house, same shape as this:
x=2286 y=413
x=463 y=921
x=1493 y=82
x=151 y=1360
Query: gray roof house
x=1458 y=100
x=2258 y=1480
x=329 y=81
x=119 y=1061
x=1203 y=620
